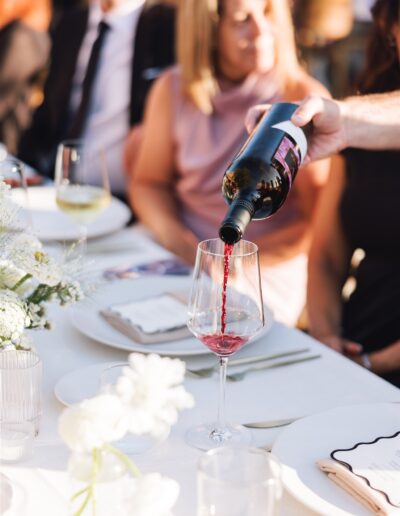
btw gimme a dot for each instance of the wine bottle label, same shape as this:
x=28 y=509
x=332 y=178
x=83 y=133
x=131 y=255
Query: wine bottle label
x=288 y=156
x=296 y=133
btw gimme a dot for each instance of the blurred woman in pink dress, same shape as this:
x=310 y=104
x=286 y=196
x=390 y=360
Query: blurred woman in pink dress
x=232 y=54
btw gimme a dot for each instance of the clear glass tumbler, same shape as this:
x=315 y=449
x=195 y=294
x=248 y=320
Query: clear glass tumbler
x=238 y=482
x=20 y=387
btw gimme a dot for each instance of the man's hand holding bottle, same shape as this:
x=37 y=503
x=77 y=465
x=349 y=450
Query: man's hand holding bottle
x=365 y=122
x=327 y=116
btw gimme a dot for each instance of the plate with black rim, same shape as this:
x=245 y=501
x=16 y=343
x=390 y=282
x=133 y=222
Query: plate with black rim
x=301 y=444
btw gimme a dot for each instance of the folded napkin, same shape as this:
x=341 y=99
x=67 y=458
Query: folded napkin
x=357 y=487
x=152 y=320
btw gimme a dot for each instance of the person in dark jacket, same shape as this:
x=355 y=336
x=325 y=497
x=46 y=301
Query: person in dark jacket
x=138 y=42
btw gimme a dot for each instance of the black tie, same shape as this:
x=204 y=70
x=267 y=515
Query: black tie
x=79 y=119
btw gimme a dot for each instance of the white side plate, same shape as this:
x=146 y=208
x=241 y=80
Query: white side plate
x=49 y=223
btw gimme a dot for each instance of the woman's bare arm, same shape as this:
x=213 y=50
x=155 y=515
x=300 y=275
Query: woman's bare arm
x=151 y=183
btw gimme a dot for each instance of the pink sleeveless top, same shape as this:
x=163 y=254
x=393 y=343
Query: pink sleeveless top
x=205 y=144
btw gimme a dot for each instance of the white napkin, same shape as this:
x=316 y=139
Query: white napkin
x=156 y=319
x=357 y=487
x=153 y=315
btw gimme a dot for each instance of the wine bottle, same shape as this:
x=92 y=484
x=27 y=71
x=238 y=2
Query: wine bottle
x=260 y=176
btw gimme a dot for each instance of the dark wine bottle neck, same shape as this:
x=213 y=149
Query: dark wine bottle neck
x=237 y=219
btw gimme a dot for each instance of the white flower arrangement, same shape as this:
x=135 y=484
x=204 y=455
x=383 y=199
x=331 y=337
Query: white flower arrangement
x=145 y=399
x=29 y=278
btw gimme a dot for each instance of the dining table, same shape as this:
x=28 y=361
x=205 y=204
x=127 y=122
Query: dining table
x=297 y=390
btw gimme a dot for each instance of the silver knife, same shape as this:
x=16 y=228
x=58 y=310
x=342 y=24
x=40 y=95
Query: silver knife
x=274 y=423
x=260 y=366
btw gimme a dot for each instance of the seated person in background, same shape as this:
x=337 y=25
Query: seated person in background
x=98 y=100
x=230 y=58
x=24 y=50
x=358 y=210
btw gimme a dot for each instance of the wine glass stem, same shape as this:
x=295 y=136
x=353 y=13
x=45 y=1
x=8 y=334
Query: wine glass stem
x=221 y=423
x=82 y=242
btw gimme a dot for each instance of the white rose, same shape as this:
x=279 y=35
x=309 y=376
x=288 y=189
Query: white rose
x=150 y=389
x=13 y=315
x=93 y=423
x=152 y=495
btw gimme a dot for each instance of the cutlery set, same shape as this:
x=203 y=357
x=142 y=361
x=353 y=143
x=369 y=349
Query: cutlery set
x=259 y=362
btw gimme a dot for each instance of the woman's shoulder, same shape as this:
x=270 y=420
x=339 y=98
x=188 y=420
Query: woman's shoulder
x=169 y=79
x=171 y=74
x=304 y=85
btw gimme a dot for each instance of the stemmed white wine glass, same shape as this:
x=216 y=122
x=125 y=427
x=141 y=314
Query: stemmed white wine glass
x=78 y=194
x=225 y=312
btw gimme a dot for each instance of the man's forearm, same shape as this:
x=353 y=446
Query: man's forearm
x=372 y=121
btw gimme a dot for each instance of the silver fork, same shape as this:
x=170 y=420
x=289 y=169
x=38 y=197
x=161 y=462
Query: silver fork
x=236 y=377
x=205 y=372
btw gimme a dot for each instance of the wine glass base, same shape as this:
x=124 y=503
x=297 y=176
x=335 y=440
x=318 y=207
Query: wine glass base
x=206 y=437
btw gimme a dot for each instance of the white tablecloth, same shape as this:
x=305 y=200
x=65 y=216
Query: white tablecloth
x=281 y=393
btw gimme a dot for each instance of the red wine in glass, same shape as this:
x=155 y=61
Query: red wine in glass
x=225 y=312
x=224 y=345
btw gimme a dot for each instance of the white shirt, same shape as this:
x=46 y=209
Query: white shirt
x=108 y=118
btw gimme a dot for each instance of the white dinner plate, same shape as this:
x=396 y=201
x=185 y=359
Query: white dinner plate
x=302 y=443
x=49 y=223
x=85 y=316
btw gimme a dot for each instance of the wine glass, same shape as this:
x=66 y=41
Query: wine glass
x=225 y=312
x=78 y=194
x=12 y=170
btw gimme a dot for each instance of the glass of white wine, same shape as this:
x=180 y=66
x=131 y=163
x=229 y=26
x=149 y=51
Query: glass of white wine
x=78 y=193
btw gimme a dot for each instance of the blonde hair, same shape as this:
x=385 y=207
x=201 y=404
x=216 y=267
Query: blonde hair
x=196 y=47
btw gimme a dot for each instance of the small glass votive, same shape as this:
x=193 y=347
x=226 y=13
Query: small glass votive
x=20 y=387
x=16 y=440
x=234 y=481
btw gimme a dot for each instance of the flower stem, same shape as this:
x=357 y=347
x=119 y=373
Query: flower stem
x=130 y=465
x=95 y=472
x=21 y=281
x=85 y=502
x=90 y=489
x=41 y=293
x=79 y=493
